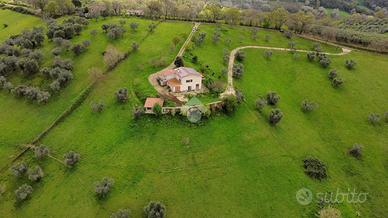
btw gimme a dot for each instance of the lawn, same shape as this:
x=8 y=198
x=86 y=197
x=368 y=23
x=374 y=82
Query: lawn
x=234 y=166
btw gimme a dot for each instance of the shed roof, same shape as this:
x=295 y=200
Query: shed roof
x=150 y=102
x=185 y=71
x=193 y=101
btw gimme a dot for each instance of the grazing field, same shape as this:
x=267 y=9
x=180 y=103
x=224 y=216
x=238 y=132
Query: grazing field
x=233 y=166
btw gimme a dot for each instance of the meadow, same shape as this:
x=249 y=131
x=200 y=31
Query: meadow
x=234 y=165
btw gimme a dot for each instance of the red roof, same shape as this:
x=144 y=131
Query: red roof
x=174 y=82
x=167 y=72
x=150 y=102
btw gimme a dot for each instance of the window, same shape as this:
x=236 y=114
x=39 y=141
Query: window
x=189 y=81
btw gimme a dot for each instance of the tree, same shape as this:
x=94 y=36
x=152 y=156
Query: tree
x=337 y=82
x=77 y=3
x=272 y=98
x=350 y=64
x=151 y=28
x=154 y=9
x=121 y=213
x=19 y=169
x=374 y=118
x=240 y=56
x=179 y=62
x=299 y=22
x=200 y=39
x=78 y=49
x=275 y=116
x=229 y=104
x=238 y=70
x=97 y=107
x=356 y=151
x=315 y=168
x=112 y=56
x=278 y=17
x=155 y=210
x=332 y=75
x=122 y=95
x=311 y=56
x=157 y=109
x=137 y=112
x=28 y=66
x=212 y=11
x=232 y=15
x=35 y=174
x=134 y=26
x=268 y=54
x=261 y=103
x=71 y=158
x=23 y=193
x=324 y=61
x=103 y=187
x=307 y=106
x=41 y=151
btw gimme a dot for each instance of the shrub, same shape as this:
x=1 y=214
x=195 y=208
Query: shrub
x=261 y=103
x=157 y=109
x=71 y=158
x=324 y=61
x=19 y=169
x=337 y=82
x=134 y=26
x=238 y=70
x=35 y=174
x=311 y=56
x=240 y=56
x=135 y=46
x=151 y=28
x=230 y=103
x=374 y=118
x=137 y=112
x=97 y=107
x=356 y=151
x=272 y=98
x=179 y=62
x=332 y=75
x=307 y=106
x=268 y=54
x=78 y=49
x=154 y=210
x=41 y=151
x=121 y=213
x=350 y=64
x=194 y=59
x=103 y=187
x=314 y=168
x=122 y=95
x=23 y=192
x=329 y=212
x=275 y=116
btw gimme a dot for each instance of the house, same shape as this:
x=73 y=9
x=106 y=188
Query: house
x=182 y=79
x=150 y=103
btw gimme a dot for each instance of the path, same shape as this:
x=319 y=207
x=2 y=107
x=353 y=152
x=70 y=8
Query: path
x=230 y=88
x=153 y=77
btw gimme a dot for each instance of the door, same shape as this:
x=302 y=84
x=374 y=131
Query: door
x=197 y=86
x=189 y=88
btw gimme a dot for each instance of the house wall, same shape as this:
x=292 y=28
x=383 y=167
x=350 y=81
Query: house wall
x=195 y=80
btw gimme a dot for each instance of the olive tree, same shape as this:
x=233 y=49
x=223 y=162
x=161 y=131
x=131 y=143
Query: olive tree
x=275 y=116
x=337 y=82
x=272 y=98
x=179 y=62
x=229 y=104
x=315 y=168
x=103 y=187
x=121 y=213
x=35 y=174
x=97 y=107
x=122 y=95
x=307 y=105
x=155 y=210
x=71 y=158
x=134 y=26
x=374 y=118
x=41 y=151
x=23 y=193
x=350 y=64
x=356 y=151
x=238 y=70
x=19 y=169
x=261 y=103
x=240 y=56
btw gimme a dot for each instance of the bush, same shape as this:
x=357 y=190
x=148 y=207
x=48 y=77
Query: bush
x=311 y=56
x=374 y=118
x=337 y=82
x=78 y=49
x=350 y=64
x=122 y=95
x=307 y=106
x=356 y=151
x=238 y=70
x=157 y=109
x=35 y=174
x=19 y=169
x=230 y=104
x=137 y=112
x=121 y=213
x=332 y=75
x=314 y=168
x=134 y=26
x=275 y=116
x=324 y=61
x=97 y=107
x=71 y=158
x=155 y=210
x=272 y=98
x=179 y=62
x=23 y=192
x=103 y=187
x=261 y=103
x=240 y=56
x=41 y=151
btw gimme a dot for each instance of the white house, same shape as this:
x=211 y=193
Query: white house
x=182 y=79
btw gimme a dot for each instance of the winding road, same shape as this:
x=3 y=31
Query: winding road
x=230 y=88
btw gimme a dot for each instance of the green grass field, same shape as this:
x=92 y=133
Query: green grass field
x=16 y=23
x=234 y=166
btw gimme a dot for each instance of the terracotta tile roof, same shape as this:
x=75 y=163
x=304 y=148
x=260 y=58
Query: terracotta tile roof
x=174 y=82
x=150 y=102
x=185 y=71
